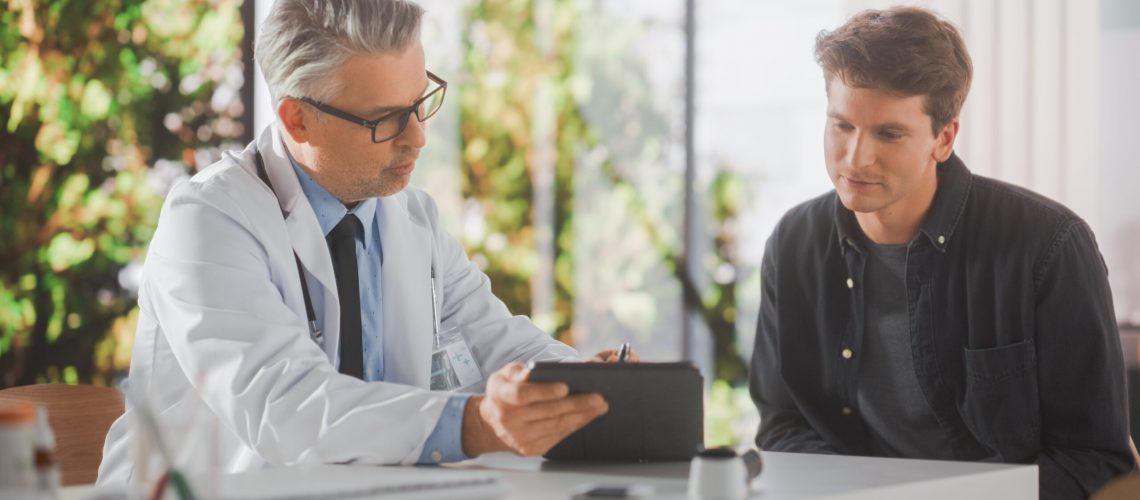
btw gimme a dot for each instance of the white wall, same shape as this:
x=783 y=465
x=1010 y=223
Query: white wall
x=1119 y=231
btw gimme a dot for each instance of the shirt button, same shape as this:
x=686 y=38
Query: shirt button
x=846 y=410
x=436 y=456
x=850 y=283
x=847 y=353
x=941 y=240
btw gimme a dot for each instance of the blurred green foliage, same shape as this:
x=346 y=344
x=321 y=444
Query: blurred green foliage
x=497 y=113
x=730 y=415
x=94 y=94
x=522 y=56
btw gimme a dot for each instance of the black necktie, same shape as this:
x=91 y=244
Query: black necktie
x=342 y=247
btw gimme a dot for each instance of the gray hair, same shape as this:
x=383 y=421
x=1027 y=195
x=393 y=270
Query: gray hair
x=303 y=42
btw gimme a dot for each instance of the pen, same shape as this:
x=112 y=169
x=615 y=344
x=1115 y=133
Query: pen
x=434 y=314
x=623 y=353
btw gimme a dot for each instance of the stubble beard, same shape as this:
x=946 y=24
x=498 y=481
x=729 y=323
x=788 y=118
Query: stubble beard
x=378 y=181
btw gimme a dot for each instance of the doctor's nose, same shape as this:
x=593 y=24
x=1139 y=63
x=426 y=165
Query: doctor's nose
x=413 y=135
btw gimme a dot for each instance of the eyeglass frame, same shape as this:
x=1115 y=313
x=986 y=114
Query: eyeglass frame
x=404 y=114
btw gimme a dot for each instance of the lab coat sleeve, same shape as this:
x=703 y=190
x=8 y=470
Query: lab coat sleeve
x=496 y=337
x=249 y=355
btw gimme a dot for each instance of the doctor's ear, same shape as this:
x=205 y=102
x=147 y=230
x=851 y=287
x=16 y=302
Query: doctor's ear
x=294 y=119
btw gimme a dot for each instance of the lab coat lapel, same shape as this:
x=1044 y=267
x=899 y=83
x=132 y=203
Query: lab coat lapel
x=406 y=280
x=305 y=235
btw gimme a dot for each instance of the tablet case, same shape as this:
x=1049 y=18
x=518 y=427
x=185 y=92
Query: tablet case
x=656 y=410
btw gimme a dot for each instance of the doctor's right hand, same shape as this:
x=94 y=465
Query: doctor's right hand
x=524 y=417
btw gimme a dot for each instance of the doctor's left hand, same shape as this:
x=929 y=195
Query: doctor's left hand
x=527 y=418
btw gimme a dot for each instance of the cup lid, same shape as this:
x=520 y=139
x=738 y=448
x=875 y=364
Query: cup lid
x=722 y=452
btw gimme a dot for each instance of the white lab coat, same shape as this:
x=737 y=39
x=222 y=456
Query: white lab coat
x=222 y=318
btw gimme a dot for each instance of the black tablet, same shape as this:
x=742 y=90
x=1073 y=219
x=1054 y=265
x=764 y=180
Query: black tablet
x=656 y=410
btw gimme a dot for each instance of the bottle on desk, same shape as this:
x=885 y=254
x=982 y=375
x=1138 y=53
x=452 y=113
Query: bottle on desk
x=17 y=430
x=47 y=469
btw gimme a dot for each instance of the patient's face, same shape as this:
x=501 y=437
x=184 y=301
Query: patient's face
x=343 y=159
x=880 y=152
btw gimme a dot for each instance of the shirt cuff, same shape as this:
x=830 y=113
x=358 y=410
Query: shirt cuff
x=445 y=443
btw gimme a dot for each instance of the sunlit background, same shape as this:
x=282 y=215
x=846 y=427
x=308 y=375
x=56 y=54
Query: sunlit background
x=615 y=166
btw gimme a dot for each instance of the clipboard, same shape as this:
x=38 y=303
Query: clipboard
x=656 y=410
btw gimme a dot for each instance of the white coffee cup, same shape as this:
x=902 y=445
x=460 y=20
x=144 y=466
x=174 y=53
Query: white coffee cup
x=718 y=474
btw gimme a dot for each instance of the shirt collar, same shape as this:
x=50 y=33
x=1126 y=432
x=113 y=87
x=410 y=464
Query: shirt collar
x=954 y=181
x=329 y=209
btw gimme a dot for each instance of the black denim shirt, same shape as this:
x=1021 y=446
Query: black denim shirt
x=1013 y=334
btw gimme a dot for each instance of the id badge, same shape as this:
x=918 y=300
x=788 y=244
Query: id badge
x=452 y=365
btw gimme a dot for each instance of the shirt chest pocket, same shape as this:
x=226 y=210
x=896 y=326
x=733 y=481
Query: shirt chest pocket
x=1001 y=403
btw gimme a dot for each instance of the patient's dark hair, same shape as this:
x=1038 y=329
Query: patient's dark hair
x=908 y=51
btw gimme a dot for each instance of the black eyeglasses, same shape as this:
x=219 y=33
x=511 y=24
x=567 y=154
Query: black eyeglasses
x=391 y=125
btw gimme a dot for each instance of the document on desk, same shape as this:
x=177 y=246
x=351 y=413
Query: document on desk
x=359 y=481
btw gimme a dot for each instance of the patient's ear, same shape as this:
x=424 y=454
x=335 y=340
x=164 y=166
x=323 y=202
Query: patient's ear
x=295 y=119
x=944 y=143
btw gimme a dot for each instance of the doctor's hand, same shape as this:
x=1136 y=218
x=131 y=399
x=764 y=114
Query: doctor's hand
x=524 y=417
x=611 y=356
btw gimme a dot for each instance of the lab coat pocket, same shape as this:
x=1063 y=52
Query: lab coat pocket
x=1001 y=403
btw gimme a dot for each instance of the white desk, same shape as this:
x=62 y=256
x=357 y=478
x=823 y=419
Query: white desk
x=785 y=476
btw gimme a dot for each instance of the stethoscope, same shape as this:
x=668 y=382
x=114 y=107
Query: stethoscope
x=315 y=332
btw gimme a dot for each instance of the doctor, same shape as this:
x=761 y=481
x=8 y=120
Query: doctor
x=299 y=288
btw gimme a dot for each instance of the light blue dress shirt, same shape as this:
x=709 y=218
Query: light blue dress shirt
x=445 y=442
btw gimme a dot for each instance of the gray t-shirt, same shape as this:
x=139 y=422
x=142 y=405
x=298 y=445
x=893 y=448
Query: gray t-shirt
x=889 y=396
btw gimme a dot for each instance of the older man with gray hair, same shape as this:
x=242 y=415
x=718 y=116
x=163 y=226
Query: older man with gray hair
x=301 y=294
